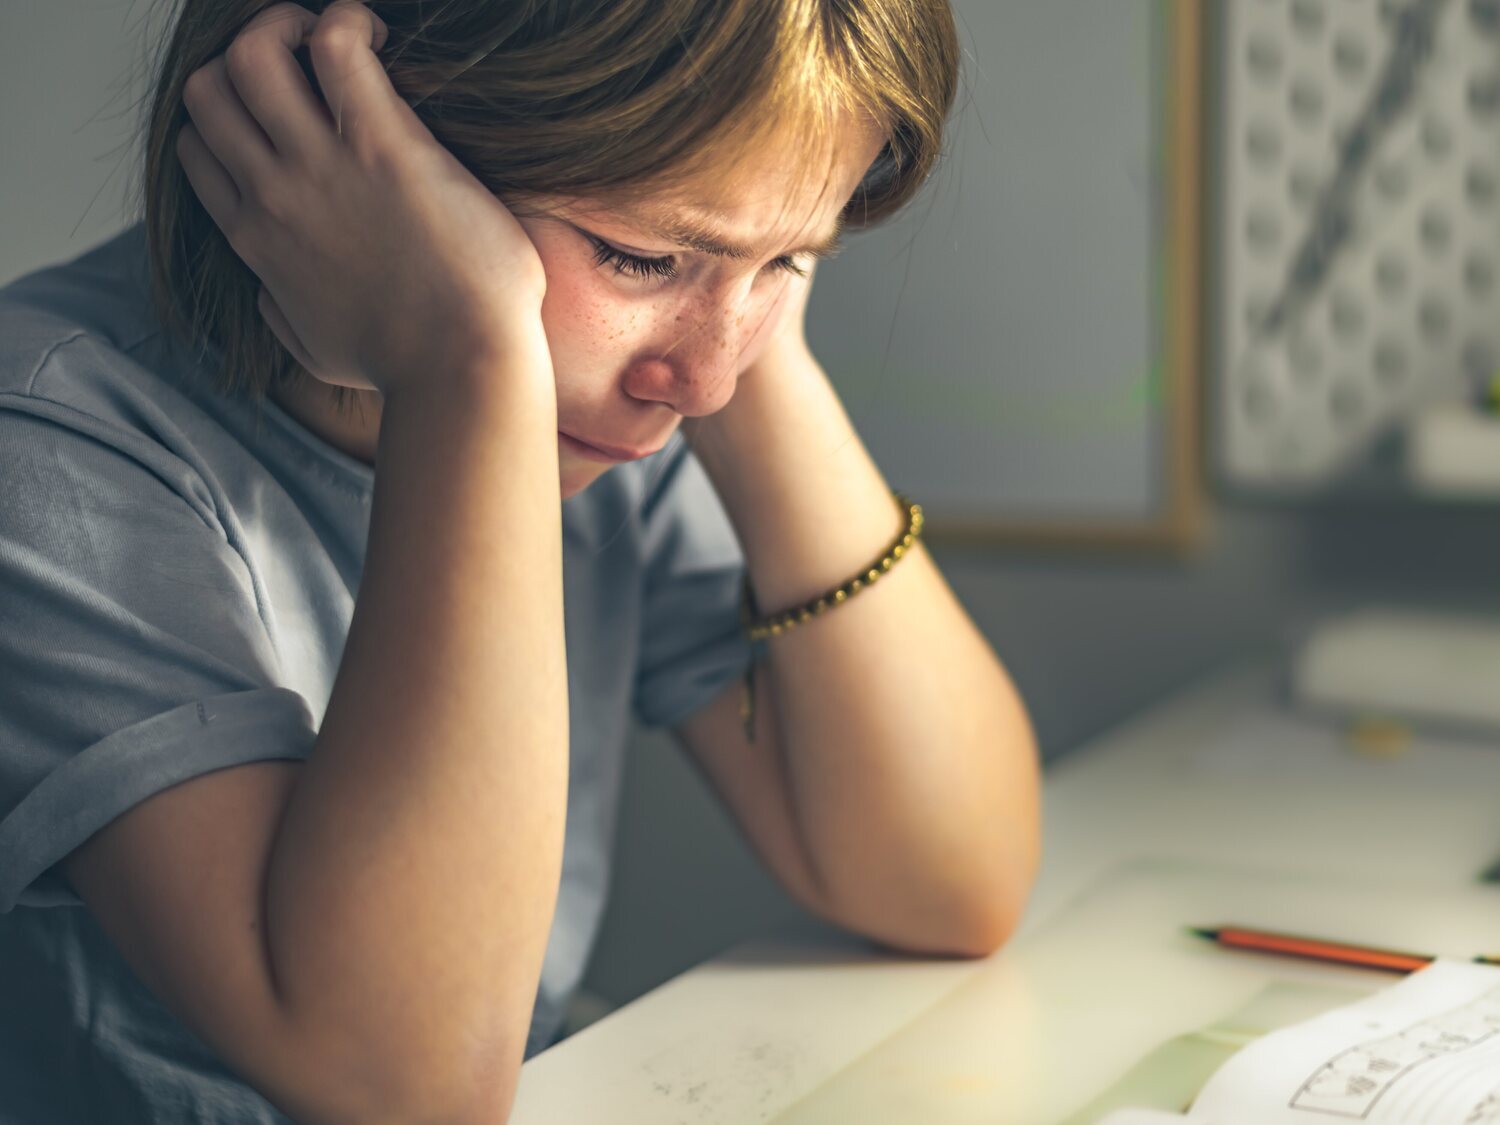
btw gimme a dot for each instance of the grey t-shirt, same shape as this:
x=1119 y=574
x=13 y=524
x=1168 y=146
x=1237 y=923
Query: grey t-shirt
x=176 y=582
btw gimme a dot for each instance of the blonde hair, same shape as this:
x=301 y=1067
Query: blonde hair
x=573 y=98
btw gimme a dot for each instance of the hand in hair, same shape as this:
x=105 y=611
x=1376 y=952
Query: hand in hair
x=383 y=262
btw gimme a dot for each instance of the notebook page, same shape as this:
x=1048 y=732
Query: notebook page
x=1425 y=1050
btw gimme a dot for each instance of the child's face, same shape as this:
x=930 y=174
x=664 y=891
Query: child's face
x=638 y=346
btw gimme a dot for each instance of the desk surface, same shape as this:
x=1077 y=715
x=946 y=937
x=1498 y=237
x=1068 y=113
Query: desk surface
x=1220 y=774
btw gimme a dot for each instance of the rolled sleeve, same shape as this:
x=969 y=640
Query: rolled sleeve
x=133 y=653
x=90 y=789
x=692 y=641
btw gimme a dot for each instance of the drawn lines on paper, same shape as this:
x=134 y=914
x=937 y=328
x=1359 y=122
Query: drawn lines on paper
x=1353 y=1081
x=1486 y=1112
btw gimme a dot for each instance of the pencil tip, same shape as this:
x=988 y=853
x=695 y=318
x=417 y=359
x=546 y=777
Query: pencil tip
x=1199 y=931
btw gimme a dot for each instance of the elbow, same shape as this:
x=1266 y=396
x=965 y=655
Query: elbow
x=480 y=1092
x=416 y=1084
x=966 y=932
x=988 y=914
x=420 y=1101
x=968 y=916
x=969 y=925
x=981 y=924
x=984 y=933
x=982 y=919
x=394 y=1099
x=987 y=906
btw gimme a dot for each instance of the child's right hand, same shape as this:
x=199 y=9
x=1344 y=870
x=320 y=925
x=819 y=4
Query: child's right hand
x=384 y=262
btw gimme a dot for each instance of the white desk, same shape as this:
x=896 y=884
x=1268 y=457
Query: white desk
x=1219 y=774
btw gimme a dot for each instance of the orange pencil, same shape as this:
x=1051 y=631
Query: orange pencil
x=1315 y=949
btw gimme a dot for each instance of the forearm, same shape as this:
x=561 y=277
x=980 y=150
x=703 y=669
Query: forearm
x=910 y=759
x=414 y=877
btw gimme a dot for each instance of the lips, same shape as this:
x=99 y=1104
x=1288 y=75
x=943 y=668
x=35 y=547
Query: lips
x=604 y=451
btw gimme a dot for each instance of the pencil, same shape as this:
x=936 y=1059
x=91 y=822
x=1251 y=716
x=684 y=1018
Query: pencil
x=1314 y=949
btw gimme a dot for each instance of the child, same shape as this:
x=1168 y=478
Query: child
x=477 y=310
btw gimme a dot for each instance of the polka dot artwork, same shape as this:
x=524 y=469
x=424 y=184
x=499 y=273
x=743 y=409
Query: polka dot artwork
x=1358 y=227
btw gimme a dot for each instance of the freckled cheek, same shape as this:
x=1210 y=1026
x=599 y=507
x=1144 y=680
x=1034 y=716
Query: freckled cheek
x=584 y=325
x=738 y=330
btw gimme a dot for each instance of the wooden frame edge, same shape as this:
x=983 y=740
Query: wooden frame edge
x=1183 y=522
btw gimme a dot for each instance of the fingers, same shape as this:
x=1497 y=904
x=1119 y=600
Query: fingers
x=353 y=80
x=225 y=125
x=262 y=66
x=212 y=183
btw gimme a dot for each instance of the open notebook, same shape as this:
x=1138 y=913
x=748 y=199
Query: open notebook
x=1424 y=1050
x=1113 y=1004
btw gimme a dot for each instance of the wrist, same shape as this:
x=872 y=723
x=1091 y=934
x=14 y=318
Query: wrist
x=504 y=364
x=771 y=393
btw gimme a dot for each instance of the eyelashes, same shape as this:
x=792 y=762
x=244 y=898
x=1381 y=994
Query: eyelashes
x=665 y=267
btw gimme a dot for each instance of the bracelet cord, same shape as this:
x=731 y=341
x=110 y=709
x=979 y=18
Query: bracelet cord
x=760 y=629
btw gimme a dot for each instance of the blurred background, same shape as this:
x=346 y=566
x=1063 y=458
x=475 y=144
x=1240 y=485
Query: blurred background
x=1189 y=350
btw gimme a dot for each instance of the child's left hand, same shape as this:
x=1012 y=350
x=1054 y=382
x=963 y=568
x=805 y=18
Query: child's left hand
x=787 y=324
x=780 y=343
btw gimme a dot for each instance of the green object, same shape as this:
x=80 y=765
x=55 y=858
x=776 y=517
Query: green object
x=1492 y=394
x=1170 y=1077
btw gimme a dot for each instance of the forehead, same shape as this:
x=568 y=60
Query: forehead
x=786 y=191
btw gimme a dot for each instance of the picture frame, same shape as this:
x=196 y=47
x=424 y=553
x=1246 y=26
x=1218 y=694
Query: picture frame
x=1121 y=466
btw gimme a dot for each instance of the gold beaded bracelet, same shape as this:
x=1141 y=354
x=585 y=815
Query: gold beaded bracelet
x=779 y=623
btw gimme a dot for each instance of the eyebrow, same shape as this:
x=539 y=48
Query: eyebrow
x=697 y=235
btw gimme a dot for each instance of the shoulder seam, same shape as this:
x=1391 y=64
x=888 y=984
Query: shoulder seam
x=104 y=424
x=47 y=355
x=128 y=435
x=215 y=524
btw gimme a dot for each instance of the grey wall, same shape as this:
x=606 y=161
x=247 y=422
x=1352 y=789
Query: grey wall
x=1090 y=639
x=70 y=77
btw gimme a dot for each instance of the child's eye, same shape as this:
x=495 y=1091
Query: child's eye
x=786 y=264
x=665 y=267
